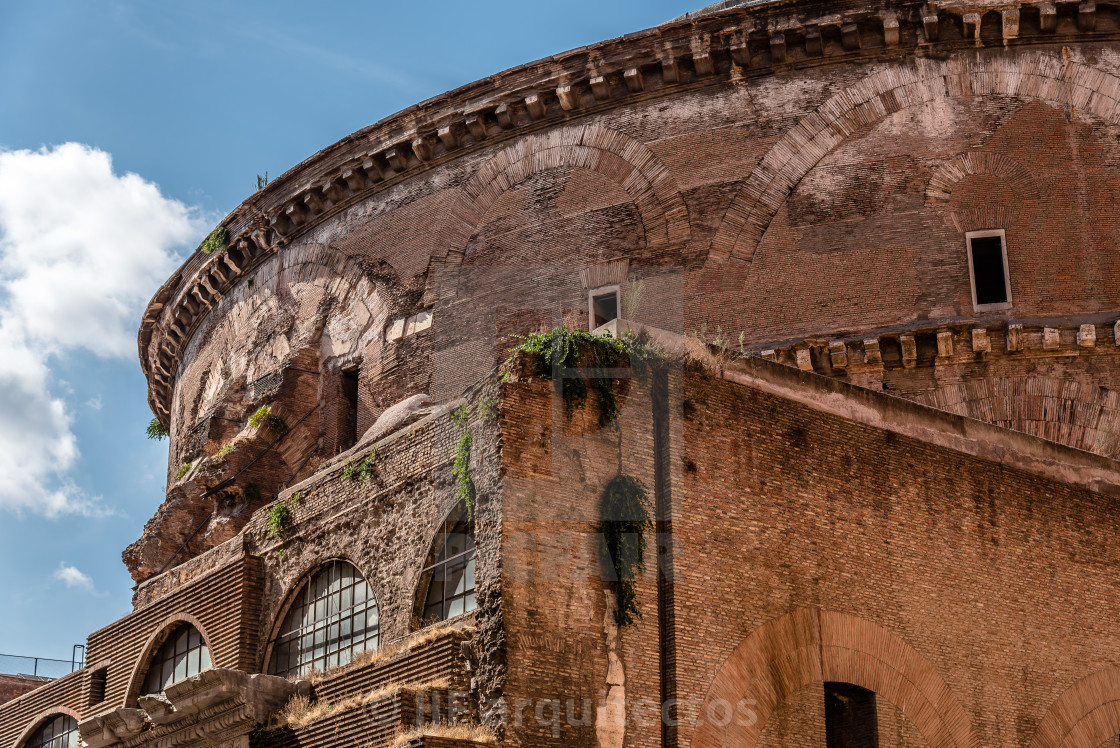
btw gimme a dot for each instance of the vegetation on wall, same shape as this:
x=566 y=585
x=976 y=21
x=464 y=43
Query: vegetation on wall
x=183 y=470
x=360 y=471
x=156 y=430
x=264 y=417
x=563 y=351
x=461 y=468
x=216 y=242
x=280 y=517
x=624 y=519
x=262 y=182
x=225 y=451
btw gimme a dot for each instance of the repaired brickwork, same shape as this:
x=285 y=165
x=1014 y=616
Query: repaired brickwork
x=858 y=472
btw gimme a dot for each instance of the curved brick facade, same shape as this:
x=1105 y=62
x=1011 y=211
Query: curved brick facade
x=864 y=467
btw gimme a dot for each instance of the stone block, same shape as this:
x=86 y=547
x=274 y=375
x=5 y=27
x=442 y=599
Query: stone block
x=1014 y=338
x=1050 y=339
x=944 y=343
x=1087 y=336
x=396 y=330
x=981 y=341
x=804 y=360
x=838 y=353
x=871 y=353
x=909 y=350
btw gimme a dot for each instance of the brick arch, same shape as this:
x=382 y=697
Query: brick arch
x=1041 y=77
x=157 y=638
x=1004 y=168
x=38 y=720
x=811 y=645
x=616 y=156
x=1085 y=715
x=289 y=598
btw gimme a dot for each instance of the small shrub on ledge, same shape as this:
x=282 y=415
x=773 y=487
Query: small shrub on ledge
x=564 y=350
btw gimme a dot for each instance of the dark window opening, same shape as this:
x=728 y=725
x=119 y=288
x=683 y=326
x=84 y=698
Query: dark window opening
x=184 y=654
x=349 y=431
x=849 y=717
x=988 y=274
x=97 y=680
x=58 y=732
x=604 y=308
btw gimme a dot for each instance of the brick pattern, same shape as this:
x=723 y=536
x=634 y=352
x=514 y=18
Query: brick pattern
x=223 y=605
x=24 y=713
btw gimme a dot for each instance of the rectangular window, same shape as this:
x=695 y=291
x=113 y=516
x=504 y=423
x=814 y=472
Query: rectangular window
x=603 y=306
x=850 y=720
x=349 y=432
x=987 y=268
x=97 y=680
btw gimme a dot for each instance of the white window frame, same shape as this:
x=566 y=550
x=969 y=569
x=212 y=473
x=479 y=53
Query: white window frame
x=1002 y=234
x=602 y=291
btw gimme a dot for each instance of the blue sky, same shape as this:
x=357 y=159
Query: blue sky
x=170 y=111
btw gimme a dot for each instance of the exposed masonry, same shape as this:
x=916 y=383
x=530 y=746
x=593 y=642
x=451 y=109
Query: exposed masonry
x=711 y=49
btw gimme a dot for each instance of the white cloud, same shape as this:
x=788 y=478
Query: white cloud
x=73 y=577
x=82 y=249
x=94 y=403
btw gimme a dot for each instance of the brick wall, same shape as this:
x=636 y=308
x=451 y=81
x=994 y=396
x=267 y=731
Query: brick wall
x=990 y=578
x=12 y=686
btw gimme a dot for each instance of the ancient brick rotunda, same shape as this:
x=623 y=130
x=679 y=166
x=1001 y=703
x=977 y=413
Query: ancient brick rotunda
x=838 y=469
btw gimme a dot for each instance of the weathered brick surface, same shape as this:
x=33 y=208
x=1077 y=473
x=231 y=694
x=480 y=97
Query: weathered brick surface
x=788 y=179
x=988 y=576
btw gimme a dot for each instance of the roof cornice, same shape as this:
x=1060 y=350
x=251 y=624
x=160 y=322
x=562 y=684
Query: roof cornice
x=738 y=43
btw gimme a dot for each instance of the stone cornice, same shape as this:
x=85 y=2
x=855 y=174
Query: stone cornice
x=214 y=705
x=738 y=43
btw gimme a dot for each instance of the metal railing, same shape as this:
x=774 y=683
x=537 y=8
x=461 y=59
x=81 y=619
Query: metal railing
x=42 y=667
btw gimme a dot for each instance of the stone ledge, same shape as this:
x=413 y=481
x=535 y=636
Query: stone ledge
x=711 y=49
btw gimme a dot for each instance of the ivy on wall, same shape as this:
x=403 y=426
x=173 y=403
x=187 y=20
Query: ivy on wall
x=624 y=519
x=461 y=468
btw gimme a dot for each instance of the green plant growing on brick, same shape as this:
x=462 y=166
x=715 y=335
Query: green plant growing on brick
x=461 y=467
x=360 y=471
x=623 y=521
x=563 y=349
x=156 y=430
x=488 y=409
x=225 y=451
x=183 y=470
x=280 y=519
x=264 y=417
x=262 y=182
x=216 y=242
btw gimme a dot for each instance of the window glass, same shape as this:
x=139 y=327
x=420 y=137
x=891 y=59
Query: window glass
x=182 y=655
x=604 y=308
x=327 y=623
x=451 y=584
x=56 y=732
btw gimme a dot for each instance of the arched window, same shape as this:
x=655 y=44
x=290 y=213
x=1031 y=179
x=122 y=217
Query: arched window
x=450 y=575
x=184 y=653
x=333 y=617
x=57 y=732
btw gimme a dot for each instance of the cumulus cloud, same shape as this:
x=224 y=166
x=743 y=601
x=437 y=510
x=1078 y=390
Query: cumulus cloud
x=73 y=577
x=82 y=249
